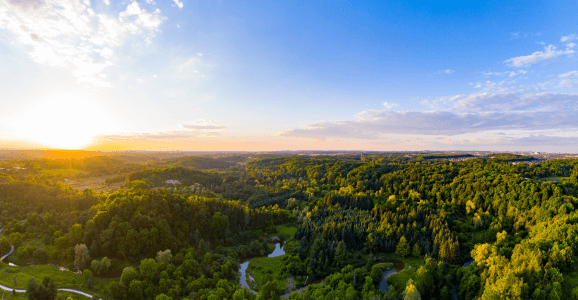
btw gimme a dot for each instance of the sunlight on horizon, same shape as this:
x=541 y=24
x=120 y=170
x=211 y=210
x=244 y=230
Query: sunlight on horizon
x=64 y=121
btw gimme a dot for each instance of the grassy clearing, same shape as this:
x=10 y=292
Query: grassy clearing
x=61 y=172
x=62 y=279
x=258 y=267
x=287 y=231
x=553 y=178
x=400 y=279
x=386 y=264
x=271 y=247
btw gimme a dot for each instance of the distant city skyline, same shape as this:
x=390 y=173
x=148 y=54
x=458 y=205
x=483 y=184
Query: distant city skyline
x=268 y=76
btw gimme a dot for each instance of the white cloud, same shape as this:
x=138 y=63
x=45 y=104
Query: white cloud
x=549 y=53
x=566 y=75
x=569 y=37
x=178 y=3
x=570 y=45
x=513 y=73
x=568 y=79
x=510 y=74
x=107 y=2
x=189 y=68
x=203 y=125
x=150 y=1
x=68 y=34
x=447 y=71
x=464 y=114
x=389 y=105
x=494 y=73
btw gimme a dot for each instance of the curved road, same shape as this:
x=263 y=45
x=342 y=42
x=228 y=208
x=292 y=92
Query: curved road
x=24 y=291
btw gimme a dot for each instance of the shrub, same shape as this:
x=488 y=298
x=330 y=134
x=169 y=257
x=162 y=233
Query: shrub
x=40 y=255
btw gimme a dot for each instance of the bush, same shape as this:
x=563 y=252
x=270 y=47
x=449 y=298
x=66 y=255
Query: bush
x=4 y=245
x=87 y=274
x=16 y=239
x=26 y=252
x=40 y=255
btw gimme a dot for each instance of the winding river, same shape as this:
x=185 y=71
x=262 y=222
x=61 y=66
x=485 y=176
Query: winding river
x=279 y=250
x=398 y=266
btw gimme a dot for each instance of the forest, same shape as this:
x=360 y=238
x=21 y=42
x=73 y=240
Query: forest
x=351 y=226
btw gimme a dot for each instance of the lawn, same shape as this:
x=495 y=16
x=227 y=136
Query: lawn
x=258 y=267
x=400 y=279
x=62 y=279
x=287 y=231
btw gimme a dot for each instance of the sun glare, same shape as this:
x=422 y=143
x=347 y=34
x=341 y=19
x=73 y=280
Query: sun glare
x=63 y=121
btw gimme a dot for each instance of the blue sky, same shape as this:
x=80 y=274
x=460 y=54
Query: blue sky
x=266 y=75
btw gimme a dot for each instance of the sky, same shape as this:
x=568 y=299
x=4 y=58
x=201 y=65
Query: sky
x=289 y=75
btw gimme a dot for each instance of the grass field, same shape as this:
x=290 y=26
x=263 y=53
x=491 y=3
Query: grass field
x=557 y=179
x=62 y=279
x=258 y=267
x=61 y=172
x=400 y=279
x=271 y=247
x=287 y=231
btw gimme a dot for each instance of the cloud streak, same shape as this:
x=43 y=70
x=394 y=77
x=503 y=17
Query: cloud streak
x=549 y=53
x=204 y=125
x=465 y=114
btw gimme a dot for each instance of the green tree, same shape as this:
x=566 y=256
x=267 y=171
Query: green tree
x=411 y=293
x=370 y=262
x=402 y=249
x=416 y=252
x=341 y=254
x=81 y=256
x=164 y=256
x=16 y=239
x=46 y=291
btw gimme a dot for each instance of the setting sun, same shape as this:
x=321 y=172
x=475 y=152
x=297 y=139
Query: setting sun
x=63 y=121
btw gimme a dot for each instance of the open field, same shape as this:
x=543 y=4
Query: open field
x=95 y=183
x=287 y=231
x=72 y=173
x=400 y=279
x=62 y=279
x=258 y=267
x=557 y=179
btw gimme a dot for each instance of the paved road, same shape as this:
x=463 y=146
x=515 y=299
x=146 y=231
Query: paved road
x=64 y=290
x=24 y=291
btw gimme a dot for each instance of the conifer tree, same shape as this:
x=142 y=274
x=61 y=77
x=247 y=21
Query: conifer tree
x=416 y=252
x=402 y=248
